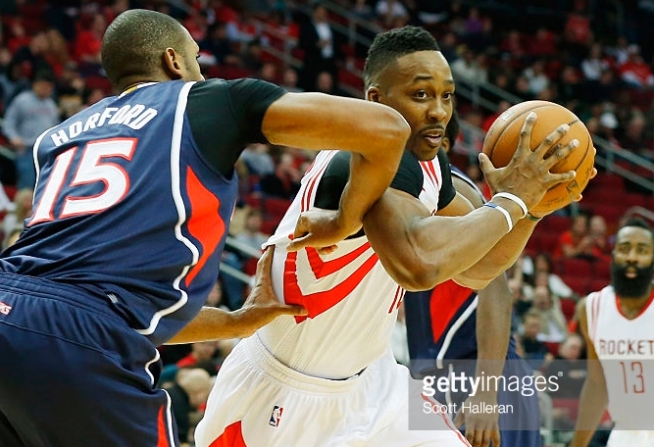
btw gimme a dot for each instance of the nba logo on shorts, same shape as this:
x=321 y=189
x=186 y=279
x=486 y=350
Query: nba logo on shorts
x=275 y=416
x=4 y=308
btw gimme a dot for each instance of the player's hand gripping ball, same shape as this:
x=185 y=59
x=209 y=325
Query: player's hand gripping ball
x=503 y=136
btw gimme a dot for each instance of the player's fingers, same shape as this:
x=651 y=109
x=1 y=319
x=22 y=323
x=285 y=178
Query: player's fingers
x=563 y=177
x=550 y=140
x=476 y=438
x=524 y=143
x=561 y=152
x=294 y=311
x=485 y=164
x=299 y=243
x=264 y=265
x=594 y=171
x=496 y=438
x=301 y=226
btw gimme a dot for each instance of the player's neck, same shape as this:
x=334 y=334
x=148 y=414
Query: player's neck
x=631 y=307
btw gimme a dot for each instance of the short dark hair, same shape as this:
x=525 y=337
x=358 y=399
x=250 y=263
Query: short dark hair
x=389 y=46
x=134 y=43
x=638 y=222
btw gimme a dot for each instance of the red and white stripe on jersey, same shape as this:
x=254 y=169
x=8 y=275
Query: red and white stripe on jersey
x=592 y=312
x=339 y=290
x=431 y=187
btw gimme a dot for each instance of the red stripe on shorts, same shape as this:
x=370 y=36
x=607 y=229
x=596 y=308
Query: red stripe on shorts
x=231 y=437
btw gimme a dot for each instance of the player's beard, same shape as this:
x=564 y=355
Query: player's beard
x=631 y=287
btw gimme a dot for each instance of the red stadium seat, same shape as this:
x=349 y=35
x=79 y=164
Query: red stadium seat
x=568 y=307
x=575 y=266
x=580 y=284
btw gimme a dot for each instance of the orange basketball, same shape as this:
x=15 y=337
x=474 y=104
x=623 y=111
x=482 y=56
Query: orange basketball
x=503 y=136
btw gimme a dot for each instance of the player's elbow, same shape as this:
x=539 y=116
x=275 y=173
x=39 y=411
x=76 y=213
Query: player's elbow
x=420 y=274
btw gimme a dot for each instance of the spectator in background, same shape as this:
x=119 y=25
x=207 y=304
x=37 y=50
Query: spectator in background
x=536 y=77
x=575 y=241
x=325 y=83
x=598 y=233
x=285 y=181
x=201 y=352
x=594 y=64
x=470 y=68
x=218 y=44
x=542 y=44
x=541 y=272
x=634 y=71
x=188 y=397
x=258 y=160
x=251 y=235
x=20 y=209
x=88 y=44
x=634 y=136
x=320 y=46
x=553 y=326
x=570 y=369
x=268 y=72
x=535 y=351
x=571 y=364
x=290 y=80
x=389 y=11
x=31 y=58
x=28 y=115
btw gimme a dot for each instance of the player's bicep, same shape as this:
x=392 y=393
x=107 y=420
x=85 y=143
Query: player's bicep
x=388 y=228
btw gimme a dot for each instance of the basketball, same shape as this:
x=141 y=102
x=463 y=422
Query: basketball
x=502 y=139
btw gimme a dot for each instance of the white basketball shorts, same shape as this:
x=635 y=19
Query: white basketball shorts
x=258 y=402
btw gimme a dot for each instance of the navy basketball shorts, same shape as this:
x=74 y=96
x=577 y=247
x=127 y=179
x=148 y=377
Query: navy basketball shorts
x=74 y=374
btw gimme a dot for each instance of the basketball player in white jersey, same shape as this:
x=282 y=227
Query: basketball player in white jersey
x=618 y=323
x=329 y=379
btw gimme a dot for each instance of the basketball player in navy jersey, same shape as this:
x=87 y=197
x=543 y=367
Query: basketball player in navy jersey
x=452 y=322
x=618 y=324
x=131 y=208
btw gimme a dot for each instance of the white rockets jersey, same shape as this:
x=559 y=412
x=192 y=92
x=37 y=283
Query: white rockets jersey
x=432 y=184
x=351 y=300
x=626 y=351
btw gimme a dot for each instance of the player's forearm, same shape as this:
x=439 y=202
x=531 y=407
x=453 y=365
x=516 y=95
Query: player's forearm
x=493 y=327
x=591 y=409
x=505 y=253
x=210 y=324
x=369 y=178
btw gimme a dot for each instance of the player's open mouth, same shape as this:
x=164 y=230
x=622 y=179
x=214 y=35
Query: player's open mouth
x=434 y=140
x=631 y=273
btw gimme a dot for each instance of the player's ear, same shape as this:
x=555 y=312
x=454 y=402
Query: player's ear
x=172 y=63
x=372 y=94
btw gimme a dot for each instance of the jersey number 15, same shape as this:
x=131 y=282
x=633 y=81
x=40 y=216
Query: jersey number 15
x=92 y=168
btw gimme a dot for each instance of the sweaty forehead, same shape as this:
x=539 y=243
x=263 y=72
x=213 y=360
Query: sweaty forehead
x=423 y=65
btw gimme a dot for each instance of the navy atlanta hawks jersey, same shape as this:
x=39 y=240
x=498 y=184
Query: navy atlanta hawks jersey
x=127 y=206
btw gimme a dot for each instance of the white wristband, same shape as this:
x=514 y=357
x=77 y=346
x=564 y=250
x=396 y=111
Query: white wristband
x=495 y=206
x=513 y=198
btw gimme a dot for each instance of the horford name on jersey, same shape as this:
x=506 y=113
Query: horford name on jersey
x=134 y=116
